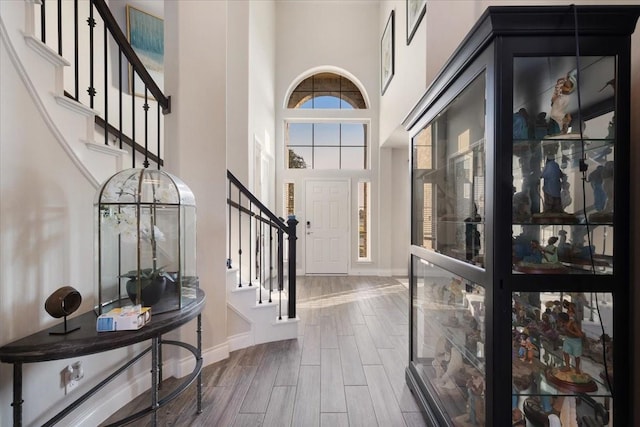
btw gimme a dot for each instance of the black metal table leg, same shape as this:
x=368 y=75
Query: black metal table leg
x=155 y=344
x=199 y=357
x=17 y=394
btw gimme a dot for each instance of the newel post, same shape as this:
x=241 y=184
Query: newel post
x=292 y=223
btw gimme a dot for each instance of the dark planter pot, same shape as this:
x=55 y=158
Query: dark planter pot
x=152 y=291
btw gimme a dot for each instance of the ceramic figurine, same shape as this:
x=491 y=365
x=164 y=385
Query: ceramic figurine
x=521 y=207
x=527 y=348
x=565 y=194
x=520 y=124
x=517 y=418
x=599 y=196
x=475 y=389
x=541 y=127
x=560 y=100
x=552 y=176
x=572 y=344
x=472 y=235
x=564 y=248
x=550 y=252
x=607 y=185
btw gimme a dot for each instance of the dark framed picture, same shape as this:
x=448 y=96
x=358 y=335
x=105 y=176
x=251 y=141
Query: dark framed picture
x=387 y=52
x=146 y=35
x=415 y=12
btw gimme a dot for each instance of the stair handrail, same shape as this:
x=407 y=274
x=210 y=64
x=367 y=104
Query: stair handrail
x=287 y=227
x=130 y=54
x=245 y=191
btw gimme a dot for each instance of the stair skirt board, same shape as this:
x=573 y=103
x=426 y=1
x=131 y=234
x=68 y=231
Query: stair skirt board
x=40 y=105
x=264 y=325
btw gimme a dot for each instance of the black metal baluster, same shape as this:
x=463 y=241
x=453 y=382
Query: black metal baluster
x=291 y=231
x=92 y=23
x=250 y=245
x=43 y=25
x=270 y=260
x=59 y=27
x=133 y=120
x=280 y=270
x=76 y=54
x=120 y=97
x=261 y=253
x=158 y=114
x=106 y=89
x=239 y=238
x=229 y=229
x=145 y=163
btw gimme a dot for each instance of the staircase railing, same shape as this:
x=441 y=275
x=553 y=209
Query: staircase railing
x=86 y=33
x=254 y=227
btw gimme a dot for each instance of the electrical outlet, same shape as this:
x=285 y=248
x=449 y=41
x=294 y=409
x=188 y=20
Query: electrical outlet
x=71 y=375
x=71 y=384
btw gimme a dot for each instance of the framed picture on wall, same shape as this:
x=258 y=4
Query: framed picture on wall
x=146 y=36
x=387 y=53
x=415 y=12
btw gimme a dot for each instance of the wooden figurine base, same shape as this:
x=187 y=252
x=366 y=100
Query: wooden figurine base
x=554 y=218
x=534 y=268
x=571 y=380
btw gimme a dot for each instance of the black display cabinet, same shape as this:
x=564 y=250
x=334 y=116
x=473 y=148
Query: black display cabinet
x=520 y=281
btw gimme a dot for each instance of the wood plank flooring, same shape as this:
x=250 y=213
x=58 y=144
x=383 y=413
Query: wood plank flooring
x=345 y=369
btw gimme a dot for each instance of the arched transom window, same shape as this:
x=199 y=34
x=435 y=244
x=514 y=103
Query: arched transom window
x=326 y=90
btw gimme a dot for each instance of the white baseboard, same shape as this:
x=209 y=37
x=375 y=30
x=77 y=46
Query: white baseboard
x=240 y=341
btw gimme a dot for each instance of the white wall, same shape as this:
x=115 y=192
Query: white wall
x=46 y=224
x=401 y=212
x=238 y=102
x=262 y=69
x=195 y=74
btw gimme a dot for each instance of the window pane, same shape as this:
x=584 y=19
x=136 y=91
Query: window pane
x=320 y=102
x=289 y=201
x=353 y=134
x=326 y=158
x=354 y=158
x=363 y=221
x=351 y=100
x=307 y=105
x=300 y=158
x=300 y=134
x=326 y=134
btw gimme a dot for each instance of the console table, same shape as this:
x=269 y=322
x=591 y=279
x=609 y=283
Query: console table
x=42 y=346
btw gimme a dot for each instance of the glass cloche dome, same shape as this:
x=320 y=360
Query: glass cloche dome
x=145 y=241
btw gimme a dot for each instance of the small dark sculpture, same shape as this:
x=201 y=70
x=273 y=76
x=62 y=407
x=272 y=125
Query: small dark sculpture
x=61 y=303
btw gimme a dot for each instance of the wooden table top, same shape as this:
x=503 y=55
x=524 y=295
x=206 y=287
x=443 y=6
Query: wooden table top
x=42 y=346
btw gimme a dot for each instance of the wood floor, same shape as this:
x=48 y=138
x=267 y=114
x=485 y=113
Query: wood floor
x=345 y=369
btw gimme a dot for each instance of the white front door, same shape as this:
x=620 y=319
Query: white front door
x=326 y=226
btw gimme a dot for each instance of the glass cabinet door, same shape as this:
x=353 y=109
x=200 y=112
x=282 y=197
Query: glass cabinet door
x=563 y=164
x=562 y=356
x=448 y=335
x=448 y=175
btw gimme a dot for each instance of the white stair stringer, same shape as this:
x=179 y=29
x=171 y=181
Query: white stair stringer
x=42 y=72
x=265 y=324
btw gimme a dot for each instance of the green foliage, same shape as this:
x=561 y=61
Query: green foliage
x=296 y=161
x=147 y=275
